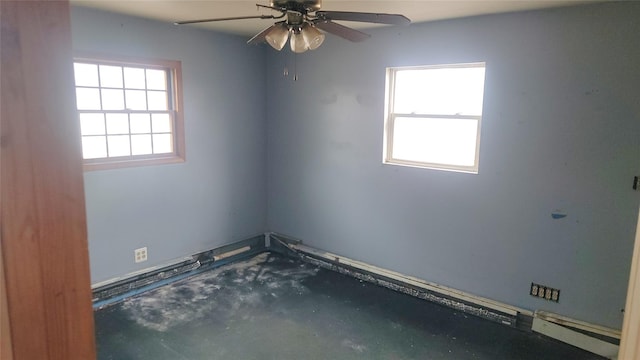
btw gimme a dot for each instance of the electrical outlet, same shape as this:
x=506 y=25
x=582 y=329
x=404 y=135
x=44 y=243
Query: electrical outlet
x=140 y=255
x=544 y=292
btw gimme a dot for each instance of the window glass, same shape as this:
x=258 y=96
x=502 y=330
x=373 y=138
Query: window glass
x=118 y=145
x=94 y=147
x=156 y=80
x=134 y=78
x=136 y=99
x=110 y=76
x=117 y=123
x=436 y=141
x=88 y=99
x=162 y=143
x=140 y=123
x=112 y=99
x=86 y=74
x=157 y=100
x=443 y=91
x=161 y=123
x=92 y=124
x=141 y=144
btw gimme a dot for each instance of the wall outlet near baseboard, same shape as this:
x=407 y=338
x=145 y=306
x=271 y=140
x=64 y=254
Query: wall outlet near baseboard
x=140 y=255
x=544 y=292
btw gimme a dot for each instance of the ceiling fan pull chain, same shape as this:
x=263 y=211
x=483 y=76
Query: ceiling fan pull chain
x=285 y=71
x=295 y=67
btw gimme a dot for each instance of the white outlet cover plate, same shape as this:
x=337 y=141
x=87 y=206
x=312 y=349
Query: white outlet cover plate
x=140 y=254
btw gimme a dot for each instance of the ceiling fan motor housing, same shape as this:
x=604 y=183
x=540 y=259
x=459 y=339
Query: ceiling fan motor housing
x=302 y=6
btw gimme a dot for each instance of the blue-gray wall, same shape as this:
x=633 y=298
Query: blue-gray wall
x=561 y=131
x=219 y=194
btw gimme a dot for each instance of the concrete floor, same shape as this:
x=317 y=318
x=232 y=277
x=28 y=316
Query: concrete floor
x=274 y=307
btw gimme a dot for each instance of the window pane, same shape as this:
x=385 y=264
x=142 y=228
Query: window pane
x=110 y=76
x=436 y=141
x=156 y=79
x=157 y=100
x=140 y=123
x=94 y=147
x=117 y=124
x=86 y=74
x=141 y=145
x=161 y=123
x=162 y=143
x=88 y=99
x=91 y=124
x=112 y=99
x=439 y=91
x=136 y=99
x=134 y=78
x=119 y=145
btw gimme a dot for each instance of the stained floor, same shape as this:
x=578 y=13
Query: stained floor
x=275 y=307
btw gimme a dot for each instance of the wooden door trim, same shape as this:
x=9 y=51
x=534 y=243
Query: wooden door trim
x=42 y=213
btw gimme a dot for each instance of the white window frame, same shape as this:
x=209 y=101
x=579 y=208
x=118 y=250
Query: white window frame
x=391 y=115
x=173 y=71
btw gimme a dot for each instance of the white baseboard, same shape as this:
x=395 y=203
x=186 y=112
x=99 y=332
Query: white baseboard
x=578 y=324
x=577 y=339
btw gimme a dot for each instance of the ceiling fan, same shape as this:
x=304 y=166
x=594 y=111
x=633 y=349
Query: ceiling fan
x=302 y=19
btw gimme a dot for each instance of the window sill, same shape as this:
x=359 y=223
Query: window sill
x=127 y=162
x=441 y=167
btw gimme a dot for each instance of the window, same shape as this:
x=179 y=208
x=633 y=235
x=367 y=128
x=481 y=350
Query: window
x=130 y=111
x=433 y=116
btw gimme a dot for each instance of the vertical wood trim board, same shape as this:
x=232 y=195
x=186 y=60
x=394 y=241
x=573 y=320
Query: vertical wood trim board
x=6 y=350
x=629 y=348
x=42 y=214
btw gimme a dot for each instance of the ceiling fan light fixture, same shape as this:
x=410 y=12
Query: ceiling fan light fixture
x=312 y=36
x=298 y=43
x=278 y=36
x=302 y=22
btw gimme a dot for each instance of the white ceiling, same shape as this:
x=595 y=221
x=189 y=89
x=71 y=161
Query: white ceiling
x=416 y=10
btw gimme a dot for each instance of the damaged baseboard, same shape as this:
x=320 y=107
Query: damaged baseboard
x=608 y=334
x=594 y=338
x=456 y=299
x=112 y=291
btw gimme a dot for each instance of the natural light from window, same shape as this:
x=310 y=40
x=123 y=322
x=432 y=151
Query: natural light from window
x=434 y=115
x=126 y=111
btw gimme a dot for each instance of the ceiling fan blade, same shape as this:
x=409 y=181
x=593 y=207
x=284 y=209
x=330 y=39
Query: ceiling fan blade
x=227 y=18
x=392 y=19
x=260 y=37
x=341 y=30
x=281 y=9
